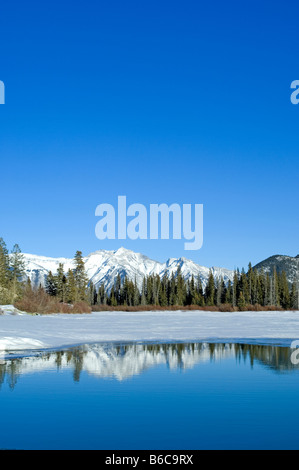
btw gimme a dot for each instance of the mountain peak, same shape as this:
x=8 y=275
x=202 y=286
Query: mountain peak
x=124 y=250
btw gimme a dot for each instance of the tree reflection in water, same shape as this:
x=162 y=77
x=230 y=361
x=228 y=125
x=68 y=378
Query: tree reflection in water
x=121 y=361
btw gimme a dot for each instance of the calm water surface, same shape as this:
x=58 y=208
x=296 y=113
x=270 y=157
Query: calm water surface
x=151 y=396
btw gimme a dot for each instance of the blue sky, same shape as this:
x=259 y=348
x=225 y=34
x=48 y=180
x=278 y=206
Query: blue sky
x=161 y=101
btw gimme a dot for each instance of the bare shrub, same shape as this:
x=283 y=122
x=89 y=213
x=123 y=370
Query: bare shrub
x=38 y=301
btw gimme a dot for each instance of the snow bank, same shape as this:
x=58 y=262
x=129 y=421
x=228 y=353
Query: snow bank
x=53 y=331
x=10 y=310
x=15 y=343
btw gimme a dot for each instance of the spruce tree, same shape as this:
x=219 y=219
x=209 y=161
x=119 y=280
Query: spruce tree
x=172 y=293
x=81 y=280
x=71 y=289
x=241 y=302
x=294 y=296
x=210 y=290
x=4 y=264
x=112 y=299
x=136 y=300
x=61 y=283
x=284 y=291
x=250 y=276
x=235 y=289
x=4 y=273
x=181 y=290
x=17 y=272
x=229 y=293
x=143 y=292
x=51 y=284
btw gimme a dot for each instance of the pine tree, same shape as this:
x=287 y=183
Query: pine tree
x=102 y=295
x=181 y=290
x=220 y=291
x=81 y=280
x=199 y=297
x=4 y=273
x=284 y=291
x=71 y=289
x=244 y=286
x=127 y=293
x=17 y=271
x=117 y=289
x=210 y=290
x=223 y=291
x=241 y=302
x=143 y=292
x=149 y=290
x=92 y=294
x=235 y=288
x=162 y=294
x=275 y=282
x=229 y=293
x=51 y=284
x=61 y=283
x=262 y=287
x=172 y=291
x=136 y=300
x=191 y=292
x=268 y=290
x=112 y=299
x=250 y=276
x=294 y=296
x=4 y=264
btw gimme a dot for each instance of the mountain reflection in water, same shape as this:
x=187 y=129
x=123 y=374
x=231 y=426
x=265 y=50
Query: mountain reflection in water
x=121 y=361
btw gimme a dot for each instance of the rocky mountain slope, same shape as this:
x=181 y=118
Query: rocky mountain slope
x=289 y=264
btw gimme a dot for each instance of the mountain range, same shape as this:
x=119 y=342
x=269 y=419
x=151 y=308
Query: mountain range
x=103 y=266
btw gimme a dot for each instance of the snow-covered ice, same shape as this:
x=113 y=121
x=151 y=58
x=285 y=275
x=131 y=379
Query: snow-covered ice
x=23 y=332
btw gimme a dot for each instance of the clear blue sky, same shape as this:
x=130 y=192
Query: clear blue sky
x=161 y=101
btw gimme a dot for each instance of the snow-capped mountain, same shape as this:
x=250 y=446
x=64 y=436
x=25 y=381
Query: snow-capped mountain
x=289 y=264
x=103 y=266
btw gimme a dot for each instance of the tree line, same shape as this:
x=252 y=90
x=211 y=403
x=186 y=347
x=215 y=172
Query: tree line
x=246 y=289
x=251 y=288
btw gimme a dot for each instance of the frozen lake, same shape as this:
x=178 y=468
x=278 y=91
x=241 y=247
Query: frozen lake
x=58 y=330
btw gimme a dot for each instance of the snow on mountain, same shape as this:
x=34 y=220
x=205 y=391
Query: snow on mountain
x=288 y=264
x=103 y=266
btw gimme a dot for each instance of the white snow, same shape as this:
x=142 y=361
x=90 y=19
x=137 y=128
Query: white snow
x=19 y=332
x=10 y=310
